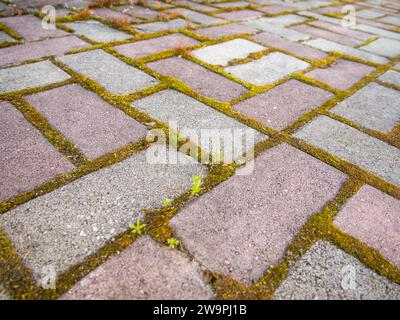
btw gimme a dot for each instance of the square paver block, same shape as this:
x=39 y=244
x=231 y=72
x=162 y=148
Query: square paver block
x=39 y=49
x=244 y=225
x=374 y=106
x=145 y=270
x=4 y=37
x=138 y=11
x=96 y=31
x=30 y=28
x=222 y=53
x=384 y=47
x=146 y=47
x=159 y=26
x=282 y=105
x=298 y=49
x=392 y=77
x=240 y=15
x=195 y=119
x=93 y=125
x=204 y=81
x=373 y=217
x=30 y=76
x=76 y=220
x=111 y=73
x=226 y=30
x=199 y=17
x=286 y=19
x=342 y=74
x=342 y=30
x=27 y=158
x=354 y=146
x=320 y=272
x=268 y=69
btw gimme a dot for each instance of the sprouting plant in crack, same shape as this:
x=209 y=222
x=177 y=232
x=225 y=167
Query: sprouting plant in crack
x=167 y=202
x=137 y=228
x=196 y=183
x=173 y=243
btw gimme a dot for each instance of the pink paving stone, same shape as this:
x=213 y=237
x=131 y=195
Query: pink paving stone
x=298 y=49
x=39 y=49
x=226 y=30
x=199 y=78
x=244 y=225
x=138 y=11
x=108 y=14
x=345 y=31
x=30 y=27
x=240 y=15
x=282 y=105
x=88 y=121
x=195 y=6
x=27 y=159
x=276 y=9
x=145 y=270
x=374 y=218
x=342 y=74
x=375 y=23
x=146 y=47
x=325 y=34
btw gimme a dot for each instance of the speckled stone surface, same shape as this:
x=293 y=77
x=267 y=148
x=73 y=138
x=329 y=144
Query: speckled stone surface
x=383 y=47
x=226 y=30
x=391 y=76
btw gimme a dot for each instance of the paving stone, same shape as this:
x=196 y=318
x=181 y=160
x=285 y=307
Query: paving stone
x=391 y=20
x=378 y=31
x=96 y=31
x=190 y=117
x=39 y=49
x=112 y=15
x=81 y=116
x=374 y=106
x=153 y=27
x=244 y=225
x=194 y=5
x=319 y=275
x=277 y=9
x=285 y=20
x=373 y=217
x=146 y=47
x=222 y=53
x=354 y=146
x=268 y=69
x=138 y=11
x=234 y=4
x=306 y=5
x=199 y=17
x=157 y=4
x=369 y=14
x=226 y=30
x=328 y=46
x=61 y=228
x=27 y=158
x=30 y=28
x=392 y=77
x=30 y=76
x=240 y=15
x=200 y=79
x=298 y=49
x=110 y=72
x=280 y=106
x=384 y=47
x=145 y=270
x=341 y=30
x=4 y=37
x=342 y=74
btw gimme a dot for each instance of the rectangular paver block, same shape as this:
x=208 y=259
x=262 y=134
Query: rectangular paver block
x=342 y=30
x=112 y=15
x=74 y=221
x=277 y=9
x=354 y=146
x=240 y=15
x=145 y=270
x=286 y=19
x=391 y=20
x=226 y=30
x=383 y=47
x=159 y=26
x=378 y=31
x=234 y=4
x=244 y=225
x=199 y=17
x=392 y=77
x=138 y=11
x=111 y=73
x=27 y=158
x=194 y=5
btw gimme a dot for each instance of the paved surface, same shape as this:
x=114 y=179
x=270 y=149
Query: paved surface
x=316 y=215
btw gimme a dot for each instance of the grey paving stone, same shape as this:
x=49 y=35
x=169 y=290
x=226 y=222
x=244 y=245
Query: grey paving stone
x=392 y=77
x=110 y=72
x=378 y=31
x=4 y=37
x=240 y=15
x=390 y=20
x=145 y=270
x=93 y=125
x=286 y=19
x=383 y=47
x=192 y=118
x=268 y=69
x=138 y=11
x=234 y=4
x=222 y=53
x=319 y=274
x=199 y=17
x=369 y=14
x=112 y=15
x=354 y=146
x=158 y=26
x=27 y=158
x=96 y=31
x=374 y=106
x=226 y=30
x=30 y=75
x=277 y=9
x=63 y=227
x=328 y=46
x=244 y=225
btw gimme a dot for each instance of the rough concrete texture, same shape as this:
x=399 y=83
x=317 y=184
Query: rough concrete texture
x=27 y=159
x=325 y=272
x=383 y=47
x=145 y=270
x=152 y=27
x=222 y=53
x=110 y=72
x=373 y=217
x=280 y=106
x=240 y=15
x=268 y=69
x=391 y=77
x=30 y=76
x=226 y=30
x=244 y=225
x=63 y=227
x=354 y=146
x=373 y=106
x=199 y=78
